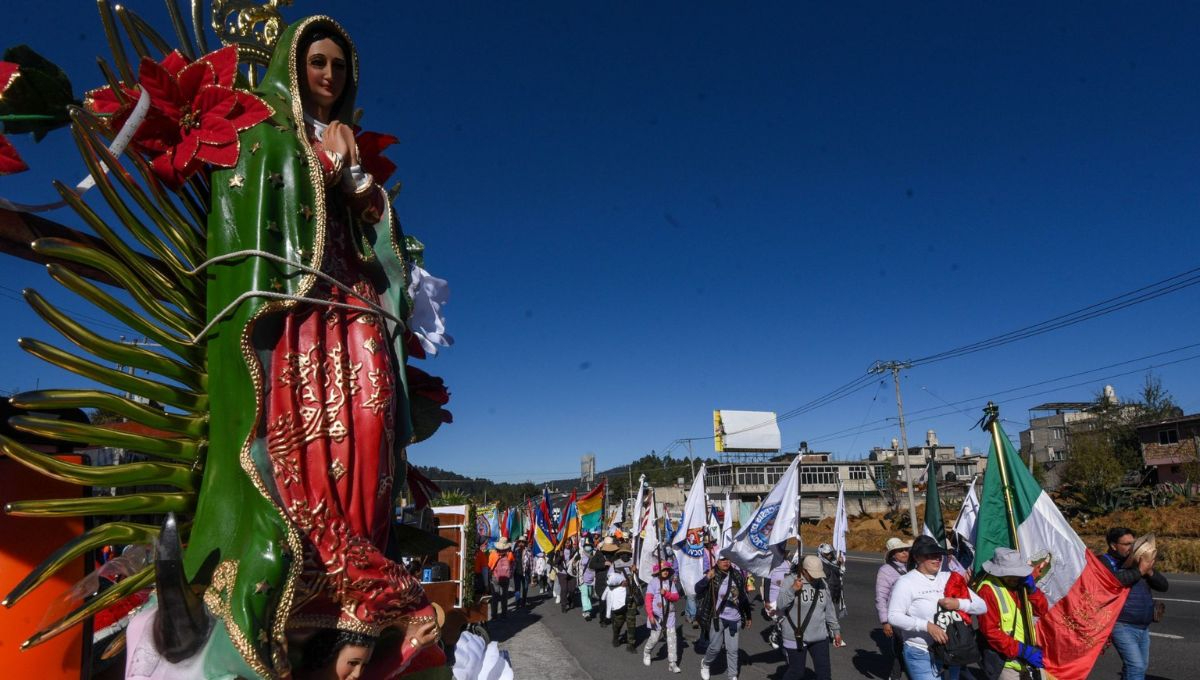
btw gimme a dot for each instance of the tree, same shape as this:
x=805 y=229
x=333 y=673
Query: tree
x=1093 y=470
x=1114 y=425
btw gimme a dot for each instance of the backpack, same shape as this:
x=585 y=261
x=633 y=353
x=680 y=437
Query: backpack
x=961 y=647
x=503 y=570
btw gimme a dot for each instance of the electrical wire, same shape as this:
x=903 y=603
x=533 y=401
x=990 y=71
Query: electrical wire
x=1128 y=299
x=842 y=434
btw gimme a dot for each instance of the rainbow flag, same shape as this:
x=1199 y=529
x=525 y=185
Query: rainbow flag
x=591 y=509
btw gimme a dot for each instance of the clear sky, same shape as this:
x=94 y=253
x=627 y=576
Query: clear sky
x=650 y=210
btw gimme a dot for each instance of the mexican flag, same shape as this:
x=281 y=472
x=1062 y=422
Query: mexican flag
x=1085 y=597
x=934 y=526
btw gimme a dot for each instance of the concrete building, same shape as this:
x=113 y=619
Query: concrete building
x=1051 y=426
x=862 y=480
x=1170 y=446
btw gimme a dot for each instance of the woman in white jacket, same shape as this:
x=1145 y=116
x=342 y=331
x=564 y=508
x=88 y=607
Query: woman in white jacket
x=914 y=604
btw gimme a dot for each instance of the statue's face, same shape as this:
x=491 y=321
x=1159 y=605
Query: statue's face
x=325 y=72
x=351 y=661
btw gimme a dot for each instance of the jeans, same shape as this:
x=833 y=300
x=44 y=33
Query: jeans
x=820 y=657
x=1133 y=644
x=520 y=586
x=922 y=666
x=727 y=634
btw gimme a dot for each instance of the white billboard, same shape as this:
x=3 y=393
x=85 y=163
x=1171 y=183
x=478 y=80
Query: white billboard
x=746 y=431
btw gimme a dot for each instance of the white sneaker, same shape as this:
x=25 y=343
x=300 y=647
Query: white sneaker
x=646 y=659
x=703 y=671
x=673 y=668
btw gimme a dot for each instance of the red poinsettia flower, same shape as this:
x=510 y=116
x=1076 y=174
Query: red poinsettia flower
x=433 y=388
x=195 y=112
x=412 y=346
x=10 y=160
x=370 y=153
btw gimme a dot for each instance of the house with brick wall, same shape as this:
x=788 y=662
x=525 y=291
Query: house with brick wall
x=1171 y=446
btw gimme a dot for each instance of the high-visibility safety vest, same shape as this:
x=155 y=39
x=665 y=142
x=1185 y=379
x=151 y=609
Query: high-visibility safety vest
x=1012 y=618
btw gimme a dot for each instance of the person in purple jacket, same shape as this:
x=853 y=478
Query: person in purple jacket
x=894 y=566
x=662 y=592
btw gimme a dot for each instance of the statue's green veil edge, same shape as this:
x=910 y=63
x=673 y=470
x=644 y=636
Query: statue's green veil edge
x=241 y=544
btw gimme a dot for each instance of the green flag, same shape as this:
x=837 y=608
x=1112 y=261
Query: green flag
x=933 y=507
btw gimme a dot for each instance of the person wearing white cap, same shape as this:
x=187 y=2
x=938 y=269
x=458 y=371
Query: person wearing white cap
x=834 y=566
x=1008 y=652
x=895 y=564
x=809 y=618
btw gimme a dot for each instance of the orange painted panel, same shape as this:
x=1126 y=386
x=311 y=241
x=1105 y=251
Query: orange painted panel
x=24 y=543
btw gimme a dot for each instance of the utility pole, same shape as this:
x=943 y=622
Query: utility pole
x=878 y=368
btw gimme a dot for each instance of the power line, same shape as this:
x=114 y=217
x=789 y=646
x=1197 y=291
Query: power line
x=19 y=296
x=841 y=434
x=1128 y=299
x=1124 y=300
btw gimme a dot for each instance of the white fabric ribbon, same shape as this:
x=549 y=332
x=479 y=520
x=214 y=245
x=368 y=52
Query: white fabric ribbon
x=429 y=294
x=119 y=143
x=473 y=660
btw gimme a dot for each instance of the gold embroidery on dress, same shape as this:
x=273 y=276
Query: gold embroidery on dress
x=337 y=470
x=308 y=518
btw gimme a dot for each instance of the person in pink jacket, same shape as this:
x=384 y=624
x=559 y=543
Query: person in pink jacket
x=662 y=592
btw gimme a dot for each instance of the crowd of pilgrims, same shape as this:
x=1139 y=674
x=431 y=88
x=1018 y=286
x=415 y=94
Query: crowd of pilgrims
x=924 y=599
x=599 y=573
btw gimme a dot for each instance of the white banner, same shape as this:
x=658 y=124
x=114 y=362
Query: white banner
x=727 y=525
x=840 y=525
x=774 y=522
x=689 y=536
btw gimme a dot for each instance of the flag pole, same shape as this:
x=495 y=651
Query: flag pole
x=992 y=413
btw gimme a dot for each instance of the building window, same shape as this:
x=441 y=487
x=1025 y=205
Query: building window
x=1168 y=437
x=818 y=474
x=1058 y=433
x=858 y=472
x=964 y=471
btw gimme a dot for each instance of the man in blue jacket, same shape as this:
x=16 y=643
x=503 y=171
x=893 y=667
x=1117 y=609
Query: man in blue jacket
x=1131 y=633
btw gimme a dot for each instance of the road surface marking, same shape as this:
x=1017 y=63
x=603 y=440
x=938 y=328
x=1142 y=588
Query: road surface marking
x=1167 y=599
x=1168 y=636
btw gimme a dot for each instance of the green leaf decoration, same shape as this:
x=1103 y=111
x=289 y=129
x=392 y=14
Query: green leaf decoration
x=37 y=100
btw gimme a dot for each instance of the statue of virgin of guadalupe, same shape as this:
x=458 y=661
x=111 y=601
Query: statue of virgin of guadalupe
x=309 y=410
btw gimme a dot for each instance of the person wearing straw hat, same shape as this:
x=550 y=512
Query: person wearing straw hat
x=500 y=564
x=1133 y=563
x=1008 y=654
x=809 y=619
x=662 y=592
x=623 y=597
x=601 y=564
x=916 y=600
x=895 y=565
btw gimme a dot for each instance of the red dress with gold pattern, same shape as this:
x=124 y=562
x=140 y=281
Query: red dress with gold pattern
x=330 y=436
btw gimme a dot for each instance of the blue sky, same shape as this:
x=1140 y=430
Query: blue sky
x=650 y=210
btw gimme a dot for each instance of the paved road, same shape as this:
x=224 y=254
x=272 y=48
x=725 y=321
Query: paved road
x=1175 y=647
